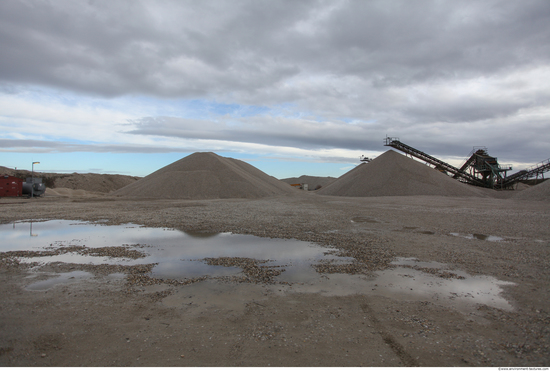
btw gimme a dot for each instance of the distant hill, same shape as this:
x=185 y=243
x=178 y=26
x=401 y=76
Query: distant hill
x=313 y=182
x=103 y=183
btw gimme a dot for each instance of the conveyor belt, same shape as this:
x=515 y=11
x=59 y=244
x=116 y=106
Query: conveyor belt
x=458 y=174
x=479 y=162
x=537 y=169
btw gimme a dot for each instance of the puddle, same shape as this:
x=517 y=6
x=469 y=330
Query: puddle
x=200 y=234
x=478 y=236
x=407 y=281
x=59 y=278
x=179 y=255
x=364 y=219
x=462 y=294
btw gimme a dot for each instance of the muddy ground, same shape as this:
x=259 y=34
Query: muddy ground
x=110 y=320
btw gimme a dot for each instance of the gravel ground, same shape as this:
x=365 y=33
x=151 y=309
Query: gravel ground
x=135 y=320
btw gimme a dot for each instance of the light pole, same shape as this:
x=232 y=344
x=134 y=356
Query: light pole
x=32 y=179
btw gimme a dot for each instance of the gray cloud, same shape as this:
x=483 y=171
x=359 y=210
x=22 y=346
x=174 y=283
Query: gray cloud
x=441 y=140
x=45 y=146
x=189 y=48
x=400 y=68
x=263 y=130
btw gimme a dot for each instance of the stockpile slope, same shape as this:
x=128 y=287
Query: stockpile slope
x=205 y=175
x=540 y=192
x=71 y=193
x=392 y=174
x=103 y=183
x=311 y=181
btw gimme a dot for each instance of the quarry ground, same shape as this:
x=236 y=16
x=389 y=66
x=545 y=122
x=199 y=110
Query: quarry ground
x=111 y=322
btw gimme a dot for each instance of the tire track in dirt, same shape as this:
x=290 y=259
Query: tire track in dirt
x=397 y=348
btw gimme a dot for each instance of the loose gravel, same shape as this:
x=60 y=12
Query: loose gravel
x=402 y=328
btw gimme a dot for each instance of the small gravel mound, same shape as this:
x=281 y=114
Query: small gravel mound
x=392 y=174
x=206 y=175
x=103 y=183
x=540 y=192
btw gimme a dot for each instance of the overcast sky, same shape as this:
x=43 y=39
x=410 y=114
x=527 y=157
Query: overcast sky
x=294 y=87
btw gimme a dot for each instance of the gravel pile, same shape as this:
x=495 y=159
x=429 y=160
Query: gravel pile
x=540 y=192
x=69 y=193
x=103 y=183
x=392 y=174
x=205 y=175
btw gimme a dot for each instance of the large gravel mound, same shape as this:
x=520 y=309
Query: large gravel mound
x=392 y=174
x=540 y=192
x=205 y=175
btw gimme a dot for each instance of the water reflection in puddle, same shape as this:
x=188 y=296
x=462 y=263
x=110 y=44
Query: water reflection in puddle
x=407 y=281
x=179 y=255
x=59 y=278
x=478 y=236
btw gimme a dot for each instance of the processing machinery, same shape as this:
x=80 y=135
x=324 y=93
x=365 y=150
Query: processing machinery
x=479 y=169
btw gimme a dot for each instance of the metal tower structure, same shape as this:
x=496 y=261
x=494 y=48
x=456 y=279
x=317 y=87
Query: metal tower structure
x=480 y=164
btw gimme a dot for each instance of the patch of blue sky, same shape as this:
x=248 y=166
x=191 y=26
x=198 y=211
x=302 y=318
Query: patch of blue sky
x=288 y=110
x=16 y=136
x=147 y=106
x=291 y=169
x=134 y=164
x=356 y=121
x=292 y=112
x=193 y=108
x=280 y=167
x=235 y=110
x=9 y=135
x=154 y=106
x=44 y=95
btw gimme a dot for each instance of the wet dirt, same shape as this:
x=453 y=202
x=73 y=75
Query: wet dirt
x=183 y=256
x=385 y=295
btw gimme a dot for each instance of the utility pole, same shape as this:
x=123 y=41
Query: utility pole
x=32 y=179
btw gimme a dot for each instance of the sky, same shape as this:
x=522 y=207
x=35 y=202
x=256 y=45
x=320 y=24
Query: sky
x=292 y=87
